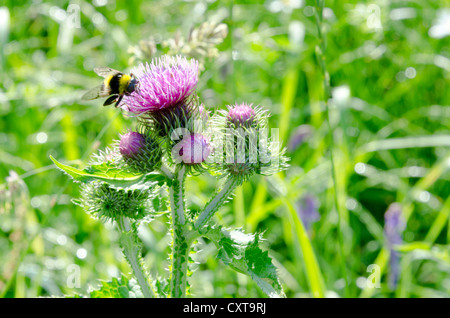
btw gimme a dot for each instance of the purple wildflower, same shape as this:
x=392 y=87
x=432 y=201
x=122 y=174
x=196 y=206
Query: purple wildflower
x=307 y=209
x=241 y=115
x=194 y=149
x=131 y=144
x=162 y=84
x=299 y=135
x=394 y=225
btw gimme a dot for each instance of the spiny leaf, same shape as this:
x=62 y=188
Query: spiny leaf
x=242 y=252
x=110 y=174
x=116 y=288
x=162 y=286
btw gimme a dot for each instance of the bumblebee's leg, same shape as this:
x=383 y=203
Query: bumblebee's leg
x=110 y=100
x=119 y=100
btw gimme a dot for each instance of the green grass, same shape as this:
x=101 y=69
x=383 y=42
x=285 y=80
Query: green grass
x=390 y=130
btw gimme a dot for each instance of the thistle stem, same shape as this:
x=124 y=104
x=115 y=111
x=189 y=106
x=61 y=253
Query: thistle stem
x=166 y=171
x=180 y=259
x=180 y=244
x=132 y=253
x=216 y=202
x=176 y=192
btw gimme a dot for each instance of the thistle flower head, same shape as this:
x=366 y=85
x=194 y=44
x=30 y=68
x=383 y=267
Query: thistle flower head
x=241 y=143
x=140 y=151
x=242 y=115
x=131 y=144
x=193 y=149
x=164 y=83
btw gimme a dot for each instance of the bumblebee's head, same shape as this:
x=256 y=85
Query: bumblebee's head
x=132 y=85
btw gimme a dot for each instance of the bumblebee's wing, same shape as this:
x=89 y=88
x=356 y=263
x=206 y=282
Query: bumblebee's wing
x=106 y=71
x=96 y=92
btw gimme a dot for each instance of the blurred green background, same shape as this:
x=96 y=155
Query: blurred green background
x=389 y=66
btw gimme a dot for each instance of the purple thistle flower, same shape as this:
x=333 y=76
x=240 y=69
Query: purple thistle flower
x=162 y=84
x=194 y=149
x=241 y=115
x=131 y=144
x=140 y=152
x=394 y=225
x=307 y=209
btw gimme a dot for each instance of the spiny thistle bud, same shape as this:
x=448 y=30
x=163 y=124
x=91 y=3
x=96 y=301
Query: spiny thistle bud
x=194 y=149
x=242 y=115
x=141 y=152
x=241 y=143
x=131 y=144
x=105 y=202
x=246 y=116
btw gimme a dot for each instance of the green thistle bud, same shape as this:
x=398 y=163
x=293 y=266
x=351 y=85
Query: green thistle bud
x=241 y=143
x=107 y=203
x=140 y=151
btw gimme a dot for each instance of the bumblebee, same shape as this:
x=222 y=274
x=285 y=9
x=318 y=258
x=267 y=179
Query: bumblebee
x=115 y=85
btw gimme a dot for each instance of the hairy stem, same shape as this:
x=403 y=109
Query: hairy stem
x=180 y=260
x=180 y=245
x=166 y=171
x=176 y=193
x=132 y=251
x=216 y=202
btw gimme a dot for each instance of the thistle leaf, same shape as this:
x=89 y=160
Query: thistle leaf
x=242 y=253
x=106 y=172
x=116 y=288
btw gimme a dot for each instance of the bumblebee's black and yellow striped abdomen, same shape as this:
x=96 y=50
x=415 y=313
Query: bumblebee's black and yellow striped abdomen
x=117 y=84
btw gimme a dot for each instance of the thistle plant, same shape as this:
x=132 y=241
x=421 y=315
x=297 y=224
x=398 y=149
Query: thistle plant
x=176 y=138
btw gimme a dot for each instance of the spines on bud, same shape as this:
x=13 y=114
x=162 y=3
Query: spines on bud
x=245 y=116
x=104 y=202
x=241 y=143
x=131 y=144
x=242 y=115
x=141 y=151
